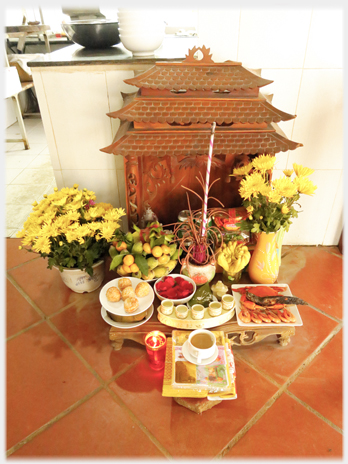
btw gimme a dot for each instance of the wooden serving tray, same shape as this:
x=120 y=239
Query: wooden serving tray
x=192 y=324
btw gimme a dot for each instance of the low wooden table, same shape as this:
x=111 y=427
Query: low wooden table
x=240 y=336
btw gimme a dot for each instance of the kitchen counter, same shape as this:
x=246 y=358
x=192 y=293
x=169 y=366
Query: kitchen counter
x=76 y=89
x=173 y=49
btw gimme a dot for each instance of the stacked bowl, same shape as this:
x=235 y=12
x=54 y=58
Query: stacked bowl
x=141 y=31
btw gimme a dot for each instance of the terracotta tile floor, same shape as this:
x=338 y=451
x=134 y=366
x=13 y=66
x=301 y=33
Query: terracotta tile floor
x=69 y=394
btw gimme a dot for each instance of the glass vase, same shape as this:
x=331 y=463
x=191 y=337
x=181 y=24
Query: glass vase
x=230 y=279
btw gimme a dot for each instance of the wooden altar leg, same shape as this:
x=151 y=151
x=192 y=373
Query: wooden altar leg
x=284 y=337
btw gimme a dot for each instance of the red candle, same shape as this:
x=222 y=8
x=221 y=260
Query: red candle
x=156 y=343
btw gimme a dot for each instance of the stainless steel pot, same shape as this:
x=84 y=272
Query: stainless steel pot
x=93 y=33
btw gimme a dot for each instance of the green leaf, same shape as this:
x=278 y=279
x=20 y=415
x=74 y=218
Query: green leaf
x=160 y=241
x=152 y=242
x=141 y=262
x=117 y=260
x=112 y=251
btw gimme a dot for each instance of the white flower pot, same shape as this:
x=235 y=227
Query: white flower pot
x=200 y=274
x=81 y=282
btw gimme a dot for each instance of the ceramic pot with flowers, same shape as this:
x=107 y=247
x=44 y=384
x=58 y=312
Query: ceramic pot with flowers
x=81 y=282
x=271 y=206
x=74 y=233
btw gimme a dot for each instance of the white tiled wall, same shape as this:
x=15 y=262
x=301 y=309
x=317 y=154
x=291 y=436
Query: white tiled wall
x=299 y=49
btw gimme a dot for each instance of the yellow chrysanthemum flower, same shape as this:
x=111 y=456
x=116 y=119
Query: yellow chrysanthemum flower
x=73 y=215
x=49 y=230
x=284 y=187
x=264 y=163
x=42 y=245
x=285 y=209
x=304 y=185
x=250 y=209
x=76 y=186
x=28 y=240
x=251 y=185
x=70 y=235
x=288 y=172
x=21 y=233
x=107 y=230
x=242 y=171
x=302 y=171
x=274 y=197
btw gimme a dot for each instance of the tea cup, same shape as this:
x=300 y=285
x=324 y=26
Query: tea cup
x=201 y=344
x=167 y=307
x=227 y=302
x=215 y=308
x=181 y=311
x=197 y=311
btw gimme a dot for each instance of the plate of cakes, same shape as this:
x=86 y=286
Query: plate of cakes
x=126 y=299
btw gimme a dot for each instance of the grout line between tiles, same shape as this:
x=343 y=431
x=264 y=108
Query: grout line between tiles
x=314 y=411
x=325 y=314
x=23 y=264
x=25 y=296
x=146 y=431
x=59 y=416
x=281 y=390
x=126 y=369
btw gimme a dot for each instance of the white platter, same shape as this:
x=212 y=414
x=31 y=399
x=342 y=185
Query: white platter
x=118 y=307
x=126 y=325
x=292 y=308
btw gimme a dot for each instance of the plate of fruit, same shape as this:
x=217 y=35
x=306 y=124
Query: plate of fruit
x=146 y=254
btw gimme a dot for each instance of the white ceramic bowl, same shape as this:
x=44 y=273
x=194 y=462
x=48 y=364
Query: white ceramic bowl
x=182 y=300
x=142 y=45
x=141 y=30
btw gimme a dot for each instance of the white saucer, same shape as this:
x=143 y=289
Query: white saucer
x=126 y=325
x=193 y=360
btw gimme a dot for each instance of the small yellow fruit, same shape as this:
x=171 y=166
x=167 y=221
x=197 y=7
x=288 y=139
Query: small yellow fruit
x=126 y=269
x=157 y=251
x=165 y=249
x=164 y=259
x=128 y=260
x=120 y=270
x=134 y=268
x=147 y=248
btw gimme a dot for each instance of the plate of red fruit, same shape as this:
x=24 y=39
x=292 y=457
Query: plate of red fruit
x=176 y=287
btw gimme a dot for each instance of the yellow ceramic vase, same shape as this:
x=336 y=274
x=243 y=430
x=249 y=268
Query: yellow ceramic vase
x=264 y=263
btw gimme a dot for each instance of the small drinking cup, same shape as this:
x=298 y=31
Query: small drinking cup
x=227 y=302
x=215 y=308
x=167 y=307
x=197 y=311
x=181 y=311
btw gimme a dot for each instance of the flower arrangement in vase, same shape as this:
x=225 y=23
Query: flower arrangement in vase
x=271 y=206
x=72 y=231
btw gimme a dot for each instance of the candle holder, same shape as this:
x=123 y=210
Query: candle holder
x=155 y=343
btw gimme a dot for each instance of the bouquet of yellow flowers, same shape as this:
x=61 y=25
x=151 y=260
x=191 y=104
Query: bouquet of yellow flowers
x=270 y=203
x=70 y=229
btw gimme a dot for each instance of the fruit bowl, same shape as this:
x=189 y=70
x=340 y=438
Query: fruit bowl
x=176 y=301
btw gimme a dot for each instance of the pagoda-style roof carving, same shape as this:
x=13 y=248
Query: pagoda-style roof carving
x=184 y=77
x=195 y=110
x=168 y=143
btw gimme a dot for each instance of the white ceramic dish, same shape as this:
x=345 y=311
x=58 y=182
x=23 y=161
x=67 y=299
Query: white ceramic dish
x=118 y=307
x=292 y=308
x=126 y=325
x=183 y=300
x=142 y=45
x=187 y=355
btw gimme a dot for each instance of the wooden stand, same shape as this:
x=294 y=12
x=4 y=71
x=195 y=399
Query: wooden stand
x=240 y=336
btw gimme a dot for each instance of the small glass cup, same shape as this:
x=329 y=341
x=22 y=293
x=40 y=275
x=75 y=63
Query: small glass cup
x=231 y=279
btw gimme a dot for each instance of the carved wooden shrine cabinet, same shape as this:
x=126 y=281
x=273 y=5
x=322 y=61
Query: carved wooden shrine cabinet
x=165 y=130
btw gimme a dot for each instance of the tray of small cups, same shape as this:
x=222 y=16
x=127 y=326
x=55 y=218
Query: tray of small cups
x=197 y=316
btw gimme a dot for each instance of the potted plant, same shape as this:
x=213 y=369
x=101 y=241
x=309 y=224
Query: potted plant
x=198 y=239
x=271 y=206
x=74 y=233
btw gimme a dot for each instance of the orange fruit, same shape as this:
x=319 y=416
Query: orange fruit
x=165 y=249
x=134 y=268
x=123 y=246
x=128 y=260
x=126 y=269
